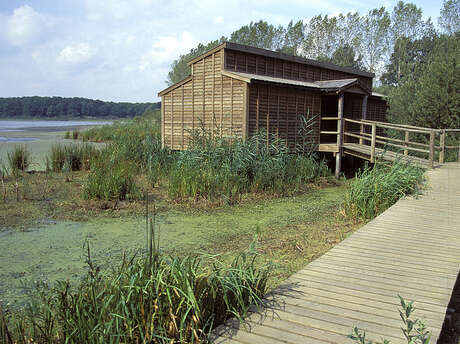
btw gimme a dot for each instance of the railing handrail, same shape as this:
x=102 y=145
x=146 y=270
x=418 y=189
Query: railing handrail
x=405 y=144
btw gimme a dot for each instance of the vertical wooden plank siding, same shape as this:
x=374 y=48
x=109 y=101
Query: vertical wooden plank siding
x=163 y=121
x=183 y=114
x=213 y=89
x=198 y=100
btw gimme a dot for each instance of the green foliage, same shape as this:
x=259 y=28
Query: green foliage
x=260 y=34
x=51 y=107
x=57 y=157
x=430 y=96
x=67 y=135
x=151 y=299
x=110 y=178
x=449 y=18
x=414 y=331
x=375 y=189
x=75 y=134
x=226 y=168
x=19 y=159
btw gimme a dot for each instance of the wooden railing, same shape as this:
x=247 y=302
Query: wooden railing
x=368 y=134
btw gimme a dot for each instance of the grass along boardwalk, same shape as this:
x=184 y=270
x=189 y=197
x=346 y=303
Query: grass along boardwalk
x=411 y=250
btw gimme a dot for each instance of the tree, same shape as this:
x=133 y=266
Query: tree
x=321 y=37
x=403 y=65
x=180 y=68
x=449 y=19
x=375 y=38
x=407 y=25
x=345 y=56
x=430 y=96
x=260 y=34
x=293 y=38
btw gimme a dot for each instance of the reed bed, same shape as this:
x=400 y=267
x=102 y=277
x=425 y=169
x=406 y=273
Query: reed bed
x=151 y=298
x=376 y=188
x=228 y=167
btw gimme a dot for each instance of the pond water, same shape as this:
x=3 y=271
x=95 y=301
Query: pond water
x=12 y=125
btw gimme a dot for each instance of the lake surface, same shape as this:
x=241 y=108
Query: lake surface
x=38 y=137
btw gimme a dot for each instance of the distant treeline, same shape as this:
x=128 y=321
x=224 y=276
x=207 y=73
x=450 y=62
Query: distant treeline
x=59 y=107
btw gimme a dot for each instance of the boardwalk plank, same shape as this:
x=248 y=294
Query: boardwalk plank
x=411 y=250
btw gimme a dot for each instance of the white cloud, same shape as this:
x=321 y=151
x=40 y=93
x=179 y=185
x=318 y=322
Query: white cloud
x=24 y=25
x=75 y=54
x=165 y=49
x=218 y=20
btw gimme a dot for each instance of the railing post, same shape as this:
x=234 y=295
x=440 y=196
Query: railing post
x=361 y=132
x=374 y=134
x=431 y=156
x=406 y=142
x=338 y=156
x=442 y=143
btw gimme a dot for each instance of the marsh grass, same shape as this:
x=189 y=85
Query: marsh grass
x=225 y=168
x=19 y=159
x=110 y=178
x=376 y=188
x=151 y=298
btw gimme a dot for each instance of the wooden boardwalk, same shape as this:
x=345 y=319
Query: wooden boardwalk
x=364 y=152
x=412 y=249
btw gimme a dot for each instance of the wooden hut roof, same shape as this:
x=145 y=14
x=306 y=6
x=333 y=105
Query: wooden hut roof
x=278 y=55
x=247 y=77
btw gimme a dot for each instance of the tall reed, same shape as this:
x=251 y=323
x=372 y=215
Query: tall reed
x=376 y=188
x=153 y=298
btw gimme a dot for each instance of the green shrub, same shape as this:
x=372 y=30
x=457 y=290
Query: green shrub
x=19 y=158
x=110 y=178
x=375 y=189
x=151 y=299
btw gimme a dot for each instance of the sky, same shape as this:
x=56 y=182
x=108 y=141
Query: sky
x=121 y=50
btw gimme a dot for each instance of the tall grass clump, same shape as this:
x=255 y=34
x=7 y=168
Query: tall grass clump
x=110 y=178
x=153 y=298
x=19 y=159
x=220 y=167
x=57 y=157
x=374 y=189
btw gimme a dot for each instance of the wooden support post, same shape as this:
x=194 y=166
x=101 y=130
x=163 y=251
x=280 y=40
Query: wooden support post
x=458 y=153
x=373 y=138
x=406 y=142
x=338 y=156
x=431 y=156
x=363 y=116
x=442 y=143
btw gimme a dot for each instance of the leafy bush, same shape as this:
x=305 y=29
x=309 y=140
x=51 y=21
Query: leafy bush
x=151 y=299
x=376 y=188
x=110 y=178
x=19 y=158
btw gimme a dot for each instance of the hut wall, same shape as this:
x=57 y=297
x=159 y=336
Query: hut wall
x=265 y=65
x=209 y=100
x=278 y=111
x=376 y=109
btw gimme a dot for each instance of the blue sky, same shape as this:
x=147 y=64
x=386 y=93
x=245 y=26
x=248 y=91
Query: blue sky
x=121 y=50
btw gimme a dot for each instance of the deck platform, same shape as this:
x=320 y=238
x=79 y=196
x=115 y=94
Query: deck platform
x=412 y=249
x=364 y=152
